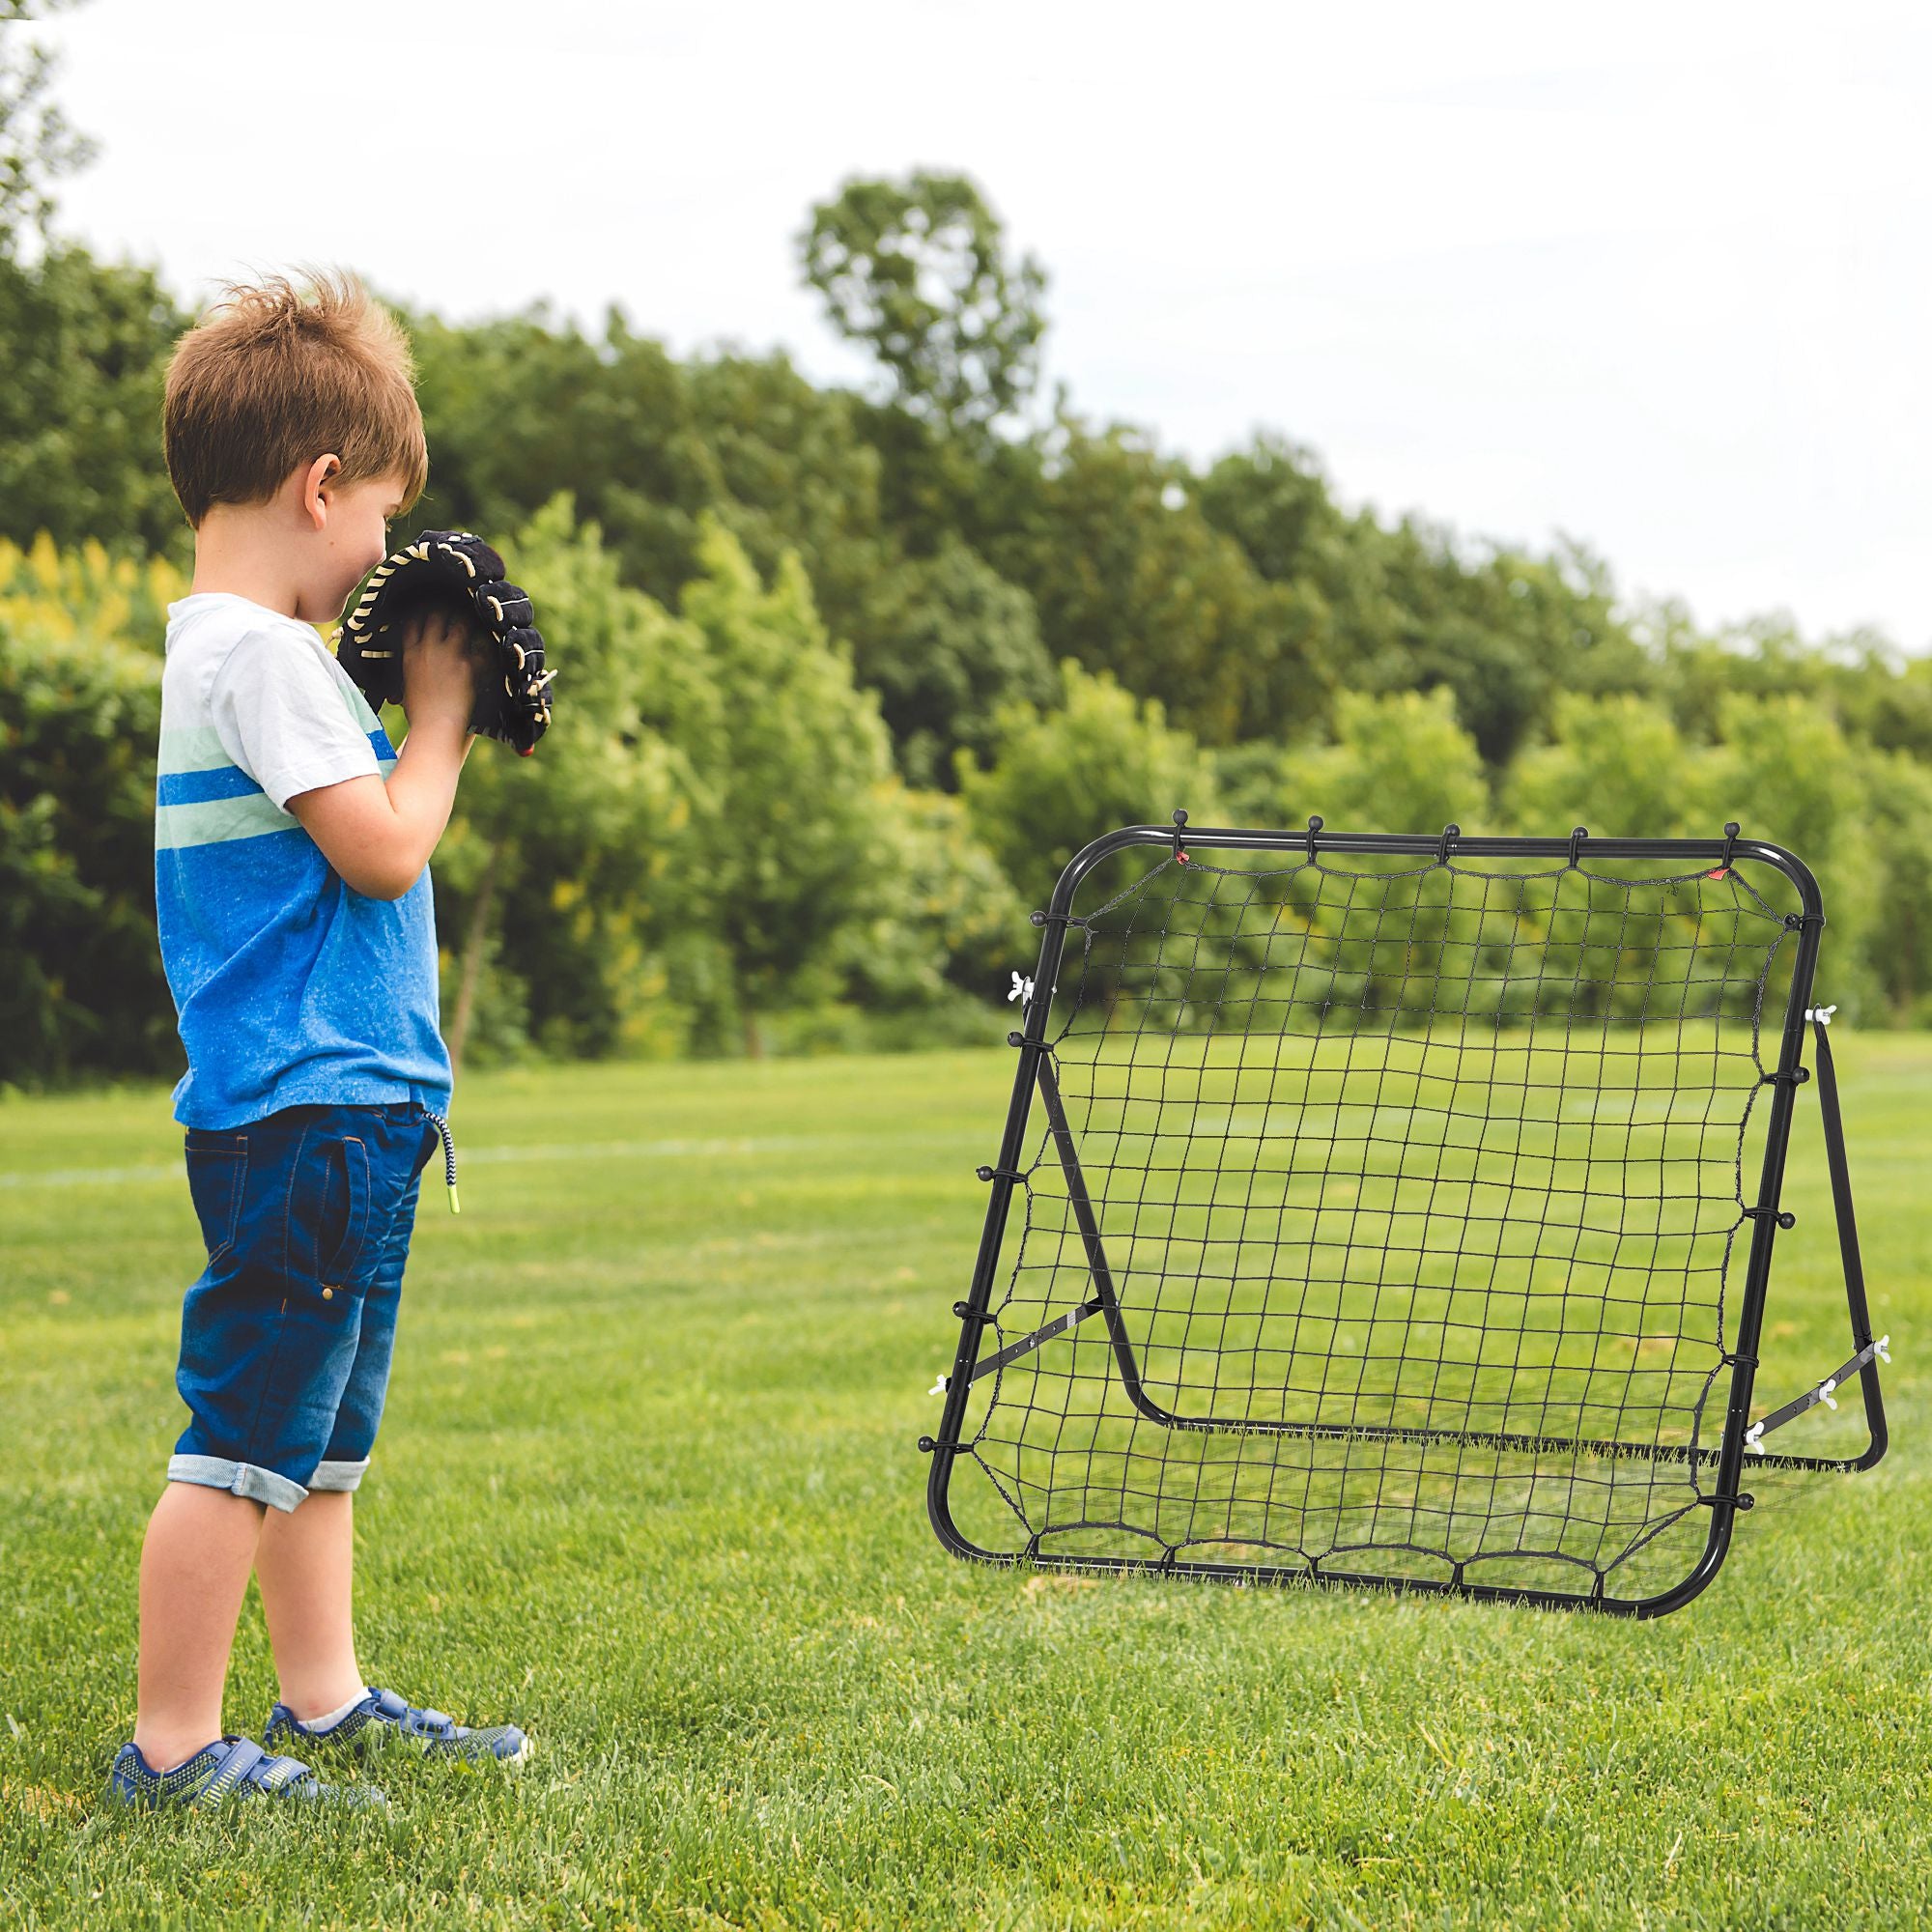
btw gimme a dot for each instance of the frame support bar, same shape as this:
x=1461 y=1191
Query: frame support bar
x=1879 y=1350
x=1027 y=1343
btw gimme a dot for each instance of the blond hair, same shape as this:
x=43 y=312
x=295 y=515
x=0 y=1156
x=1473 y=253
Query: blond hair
x=274 y=376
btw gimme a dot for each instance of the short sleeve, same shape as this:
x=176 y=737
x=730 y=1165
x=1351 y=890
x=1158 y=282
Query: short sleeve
x=285 y=719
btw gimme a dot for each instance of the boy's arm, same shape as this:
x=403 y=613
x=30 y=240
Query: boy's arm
x=379 y=834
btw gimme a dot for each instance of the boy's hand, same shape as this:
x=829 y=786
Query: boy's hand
x=458 y=572
x=438 y=669
x=377 y=832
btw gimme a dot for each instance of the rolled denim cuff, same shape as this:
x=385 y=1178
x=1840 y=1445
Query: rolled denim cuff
x=339 y=1475
x=239 y=1479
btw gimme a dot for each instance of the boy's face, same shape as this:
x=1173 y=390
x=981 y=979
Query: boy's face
x=354 y=541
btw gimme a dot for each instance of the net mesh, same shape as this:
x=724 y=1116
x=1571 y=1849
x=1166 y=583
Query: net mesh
x=1382 y=1217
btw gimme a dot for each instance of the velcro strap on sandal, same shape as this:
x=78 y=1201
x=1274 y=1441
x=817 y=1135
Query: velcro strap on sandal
x=236 y=1769
x=277 y=1774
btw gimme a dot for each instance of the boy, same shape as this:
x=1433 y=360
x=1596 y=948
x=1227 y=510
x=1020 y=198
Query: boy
x=297 y=931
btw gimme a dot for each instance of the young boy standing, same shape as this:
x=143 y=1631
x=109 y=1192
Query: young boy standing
x=297 y=934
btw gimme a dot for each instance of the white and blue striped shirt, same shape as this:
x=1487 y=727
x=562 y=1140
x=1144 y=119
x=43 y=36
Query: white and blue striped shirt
x=292 y=988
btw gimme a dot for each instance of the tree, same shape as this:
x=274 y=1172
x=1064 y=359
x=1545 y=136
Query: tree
x=84 y=346
x=1408 y=607
x=1618 y=765
x=519 y=408
x=794 y=471
x=1400 y=763
x=944 y=916
x=1274 y=500
x=1131 y=578
x=917 y=271
x=522 y=407
x=564 y=878
x=1786 y=773
x=1900 y=941
x=36 y=146
x=789 y=842
x=947 y=643
x=1062 y=778
x=82 y=990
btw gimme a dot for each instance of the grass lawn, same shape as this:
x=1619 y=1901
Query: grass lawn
x=648 y=1485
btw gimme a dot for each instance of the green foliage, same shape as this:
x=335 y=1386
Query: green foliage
x=1407 y=608
x=524 y=408
x=1899 y=938
x=1783 y=769
x=943 y=914
x=916 y=271
x=1619 y=766
x=1274 y=501
x=84 y=347
x=793 y=471
x=569 y=866
x=947 y=644
x=88 y=593
x=800 y=751
x=791 y=614
x=36 y=146
x=711 y=830
x=1131 y=578
x=520 y=409
x=1397 y=765
x=1796 y=780
x=1508 y=635
x=1887 y=701
x=1062 y=778
x=82 y=990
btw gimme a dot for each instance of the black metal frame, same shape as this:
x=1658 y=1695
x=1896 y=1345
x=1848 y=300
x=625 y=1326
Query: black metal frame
x=1034 y=1073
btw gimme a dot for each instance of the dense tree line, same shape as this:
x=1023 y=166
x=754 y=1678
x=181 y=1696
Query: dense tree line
x=849 y=673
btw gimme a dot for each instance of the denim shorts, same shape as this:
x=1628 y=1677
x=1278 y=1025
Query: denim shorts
x=286 y=1337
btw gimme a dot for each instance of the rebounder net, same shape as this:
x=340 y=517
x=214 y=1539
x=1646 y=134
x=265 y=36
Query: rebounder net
x=1389 y=1216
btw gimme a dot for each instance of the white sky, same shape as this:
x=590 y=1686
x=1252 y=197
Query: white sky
x=1655 y=275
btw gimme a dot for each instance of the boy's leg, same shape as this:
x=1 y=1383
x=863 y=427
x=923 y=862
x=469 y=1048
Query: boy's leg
x=305 y=1561
x=268 y=1337
x=305 y=1567
x=194 y=1568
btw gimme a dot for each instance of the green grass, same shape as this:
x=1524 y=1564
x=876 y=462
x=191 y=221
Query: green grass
x=648 y=1485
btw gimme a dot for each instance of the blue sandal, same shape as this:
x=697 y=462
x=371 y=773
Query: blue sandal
x=230 y=1768
x=383 y=1717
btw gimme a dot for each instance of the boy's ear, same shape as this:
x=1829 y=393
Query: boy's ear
x=324 y=469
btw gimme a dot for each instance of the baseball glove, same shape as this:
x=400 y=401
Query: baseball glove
x=458 y=573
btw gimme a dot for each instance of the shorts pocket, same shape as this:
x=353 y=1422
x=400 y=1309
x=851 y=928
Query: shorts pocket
x=328 y=1214
x=217 y=1166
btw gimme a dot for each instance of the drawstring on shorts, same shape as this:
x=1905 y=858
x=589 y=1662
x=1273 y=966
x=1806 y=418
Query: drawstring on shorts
x=449 y=1159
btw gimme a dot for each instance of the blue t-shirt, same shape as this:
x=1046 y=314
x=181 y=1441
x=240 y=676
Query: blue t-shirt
x=292 y=988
